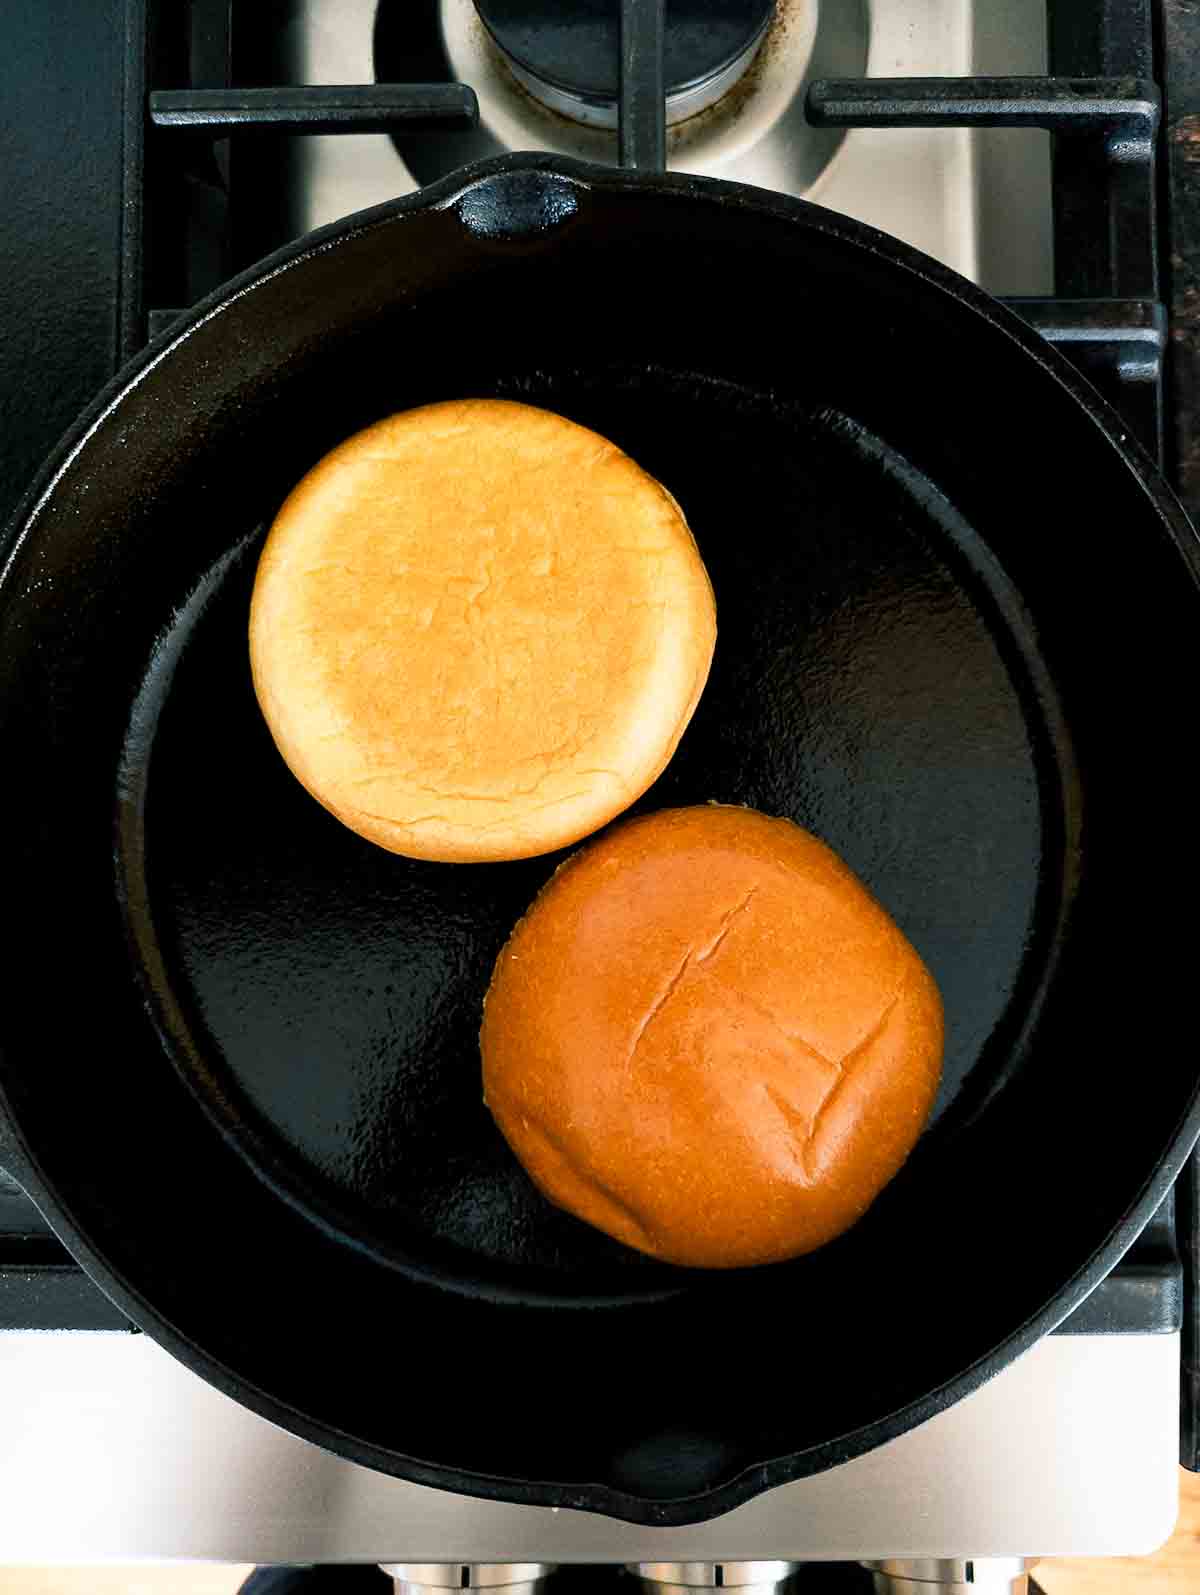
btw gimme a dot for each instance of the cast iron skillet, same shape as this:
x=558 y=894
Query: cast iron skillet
x=958 y=616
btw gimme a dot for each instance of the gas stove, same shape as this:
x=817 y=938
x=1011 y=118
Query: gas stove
x=947 y=191
x=149 y=160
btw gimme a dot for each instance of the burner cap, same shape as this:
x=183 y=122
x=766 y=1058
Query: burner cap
x=570 y=47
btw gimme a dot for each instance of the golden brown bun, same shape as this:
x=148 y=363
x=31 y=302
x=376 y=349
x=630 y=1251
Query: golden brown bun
x=478 y=631
x=709 y=1040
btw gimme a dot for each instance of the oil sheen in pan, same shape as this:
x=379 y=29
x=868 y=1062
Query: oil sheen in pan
x=874 y=680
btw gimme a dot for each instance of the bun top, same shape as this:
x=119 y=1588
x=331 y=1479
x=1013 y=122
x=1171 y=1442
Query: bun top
x=709 y=1040
x=478 y=631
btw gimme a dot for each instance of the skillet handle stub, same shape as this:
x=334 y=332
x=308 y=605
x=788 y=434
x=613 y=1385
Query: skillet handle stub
x=642 y=114
x=521 y=206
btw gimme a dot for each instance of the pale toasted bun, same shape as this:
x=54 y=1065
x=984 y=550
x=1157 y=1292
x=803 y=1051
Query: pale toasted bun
x=709 y=1040
x=478 y=631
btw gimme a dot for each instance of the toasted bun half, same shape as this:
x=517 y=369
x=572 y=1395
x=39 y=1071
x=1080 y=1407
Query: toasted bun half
x=478 y=631
x=709 y=1040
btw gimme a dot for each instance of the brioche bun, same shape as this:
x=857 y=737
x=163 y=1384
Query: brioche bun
x=707 y=1039
x=478 y=631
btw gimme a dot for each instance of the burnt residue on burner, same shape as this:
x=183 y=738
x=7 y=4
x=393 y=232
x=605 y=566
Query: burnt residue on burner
x=602 y=141
x=730 y=107
x=575 y=47
x=754 y=132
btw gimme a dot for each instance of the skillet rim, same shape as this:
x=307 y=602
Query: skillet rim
x=22 y=1160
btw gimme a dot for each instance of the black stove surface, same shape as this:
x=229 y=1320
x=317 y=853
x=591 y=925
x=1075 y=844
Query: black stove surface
x=114 y=218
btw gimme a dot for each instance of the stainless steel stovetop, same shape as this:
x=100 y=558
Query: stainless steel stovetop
x=111 y=1449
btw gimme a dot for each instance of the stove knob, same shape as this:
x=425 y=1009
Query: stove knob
x=980 y=1575
x=685 y=1578
x=437 y=1578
